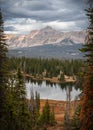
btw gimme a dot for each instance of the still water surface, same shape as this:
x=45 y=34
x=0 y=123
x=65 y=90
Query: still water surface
x=52 y=91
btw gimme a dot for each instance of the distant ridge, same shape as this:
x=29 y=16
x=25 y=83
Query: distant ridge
x=45 y=36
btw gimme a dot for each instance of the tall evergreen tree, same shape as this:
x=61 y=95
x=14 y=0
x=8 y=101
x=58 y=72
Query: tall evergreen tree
x=34 y=108
x=12 y=106
x=86 y=114
x=52 y=117
x=46 y=114
x=76 y=119
x=37 y=99
x=3 y=76
x=22 y=106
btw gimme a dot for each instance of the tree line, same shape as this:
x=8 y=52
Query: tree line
x=46 y=67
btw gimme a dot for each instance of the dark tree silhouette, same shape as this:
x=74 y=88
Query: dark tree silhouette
x=86 y=114
x=3 y=76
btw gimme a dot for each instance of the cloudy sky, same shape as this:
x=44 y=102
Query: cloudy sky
x=23 y=16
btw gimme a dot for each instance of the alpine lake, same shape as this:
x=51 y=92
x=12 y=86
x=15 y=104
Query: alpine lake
x=52 y=91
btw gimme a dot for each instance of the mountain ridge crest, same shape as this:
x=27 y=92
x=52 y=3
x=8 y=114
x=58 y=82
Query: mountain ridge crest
x=47 y=35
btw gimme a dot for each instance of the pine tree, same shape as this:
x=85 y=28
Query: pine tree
x=32 y=108
x=52 y=117
x=76 y=119
x=12 y=106
x=3 y=77
x=46 y=114
x=37 y=99
x=22 y=106
x=86 y=114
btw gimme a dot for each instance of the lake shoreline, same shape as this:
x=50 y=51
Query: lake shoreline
x=68 y=79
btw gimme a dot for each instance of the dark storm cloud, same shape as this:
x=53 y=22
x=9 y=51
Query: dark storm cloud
x=46 y=11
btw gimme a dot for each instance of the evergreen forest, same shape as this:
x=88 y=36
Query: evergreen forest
x=46 y=67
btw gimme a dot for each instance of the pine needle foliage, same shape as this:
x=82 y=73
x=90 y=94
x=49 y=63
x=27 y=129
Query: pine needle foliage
x=86 y=114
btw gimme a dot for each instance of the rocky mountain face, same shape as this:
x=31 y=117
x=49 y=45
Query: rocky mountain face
x=45 y=36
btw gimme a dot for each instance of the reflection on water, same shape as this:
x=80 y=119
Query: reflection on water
x=50 y=90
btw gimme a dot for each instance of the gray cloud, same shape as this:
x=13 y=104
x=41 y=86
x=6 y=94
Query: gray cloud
x=11 y=28
x=45 y=10
x=42 y=10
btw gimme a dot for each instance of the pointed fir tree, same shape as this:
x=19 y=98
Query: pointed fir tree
x=86 y=114
x=52 y=117
x=37 y=100
x=45 y=117
x=22 y=106
x=3 y=76
x=12 y=106
x=76 y=119
x=32 y=109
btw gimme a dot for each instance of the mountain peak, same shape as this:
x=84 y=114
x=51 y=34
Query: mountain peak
x=47 y=35
x=48 y=28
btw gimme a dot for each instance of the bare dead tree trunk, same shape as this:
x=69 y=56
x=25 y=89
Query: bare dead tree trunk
x=68 y=100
